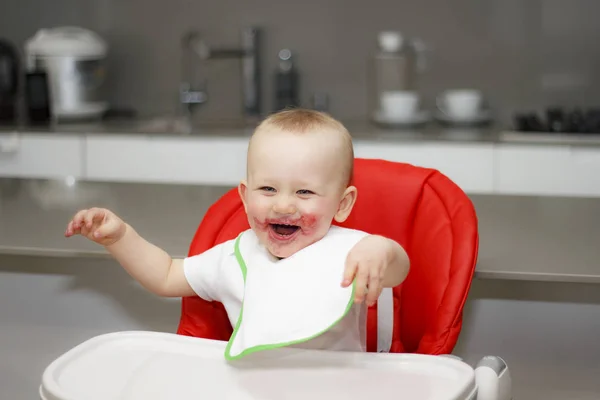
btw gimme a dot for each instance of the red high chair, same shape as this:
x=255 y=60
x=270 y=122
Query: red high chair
x=421 y=208
x=424 y=211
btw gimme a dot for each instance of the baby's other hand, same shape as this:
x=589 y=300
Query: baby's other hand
x=98 y=225
x=367 y=262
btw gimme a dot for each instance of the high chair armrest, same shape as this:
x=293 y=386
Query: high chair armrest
x=493 y=379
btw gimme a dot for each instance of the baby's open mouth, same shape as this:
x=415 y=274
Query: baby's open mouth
x=283 y=229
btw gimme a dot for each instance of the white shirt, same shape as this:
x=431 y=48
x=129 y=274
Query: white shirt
x=215 y=275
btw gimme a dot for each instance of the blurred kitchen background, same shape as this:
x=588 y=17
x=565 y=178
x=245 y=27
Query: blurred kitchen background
x=523 y=55
x=535 y=298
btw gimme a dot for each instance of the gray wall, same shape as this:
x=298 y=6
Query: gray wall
x=522 y=53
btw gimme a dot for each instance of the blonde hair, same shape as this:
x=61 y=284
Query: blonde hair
x=300 y=120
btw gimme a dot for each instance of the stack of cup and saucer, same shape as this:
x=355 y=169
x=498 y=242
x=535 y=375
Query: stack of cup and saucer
x=400 y=108
x=462 y=107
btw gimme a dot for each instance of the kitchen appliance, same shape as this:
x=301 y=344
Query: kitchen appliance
x=9 y=82
x=286 y=82
x=559 y=120
x=393 y=68
x=37 y=98
x=74 y=61
x=394 y=71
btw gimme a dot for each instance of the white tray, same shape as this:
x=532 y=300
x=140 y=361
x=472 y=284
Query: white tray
x=153 y=366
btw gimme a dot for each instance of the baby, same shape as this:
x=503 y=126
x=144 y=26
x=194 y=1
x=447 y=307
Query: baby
x=298 y=181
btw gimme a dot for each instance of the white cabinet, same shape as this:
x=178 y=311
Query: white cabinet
x=478 y=168
x=43 y=155
x=222 y=160
x=469 y=165
x=160 y=159
x=548 y=170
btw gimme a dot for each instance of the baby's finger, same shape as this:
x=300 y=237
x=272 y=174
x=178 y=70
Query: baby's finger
x=374 y=288
x=78 y=219
x=362 y=280
x=70 y=231
x=93 y=215
x=349 y=272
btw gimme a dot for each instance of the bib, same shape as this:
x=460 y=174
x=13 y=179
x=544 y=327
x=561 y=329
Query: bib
x=292 y=300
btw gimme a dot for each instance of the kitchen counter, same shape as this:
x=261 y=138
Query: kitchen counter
x=486 y=160
x=361 y=130
x=34 y=214
x=521 y=238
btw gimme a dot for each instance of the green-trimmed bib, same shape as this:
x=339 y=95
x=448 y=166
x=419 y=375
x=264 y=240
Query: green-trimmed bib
x=293 y=300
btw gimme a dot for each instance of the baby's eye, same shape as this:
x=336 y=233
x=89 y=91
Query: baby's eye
x=267 y=189
x=305 y=192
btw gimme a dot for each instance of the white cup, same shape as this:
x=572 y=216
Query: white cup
x=461 y=103
x=399 y=104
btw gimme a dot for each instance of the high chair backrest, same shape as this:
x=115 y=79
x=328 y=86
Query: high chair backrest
x=420 y=208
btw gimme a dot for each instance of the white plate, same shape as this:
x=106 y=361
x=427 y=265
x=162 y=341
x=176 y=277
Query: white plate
x=420 y=117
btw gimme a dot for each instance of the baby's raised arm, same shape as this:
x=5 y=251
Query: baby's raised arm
x=151 y=266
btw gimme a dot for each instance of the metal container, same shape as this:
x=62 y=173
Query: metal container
x=74 y=60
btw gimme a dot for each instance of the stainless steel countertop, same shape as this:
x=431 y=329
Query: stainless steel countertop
x=361 y=130
x=523 y=238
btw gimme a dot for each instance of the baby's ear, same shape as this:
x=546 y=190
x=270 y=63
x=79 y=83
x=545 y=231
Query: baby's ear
x=242 y=189
x=346 y=204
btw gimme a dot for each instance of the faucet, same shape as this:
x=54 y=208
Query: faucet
x=249 y=53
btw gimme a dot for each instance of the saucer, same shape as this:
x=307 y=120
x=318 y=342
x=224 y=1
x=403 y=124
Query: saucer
x=484 y=116
x=417 y=118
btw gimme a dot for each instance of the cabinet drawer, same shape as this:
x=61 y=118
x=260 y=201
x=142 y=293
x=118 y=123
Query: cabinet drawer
x=469 y=165
x=548 y=170
x=44 y=156
x=139 y=158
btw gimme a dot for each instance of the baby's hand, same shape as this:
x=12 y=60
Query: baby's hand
x=97 y=224
x=368 y=261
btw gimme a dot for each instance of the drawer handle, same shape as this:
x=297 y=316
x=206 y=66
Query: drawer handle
x=10 y=144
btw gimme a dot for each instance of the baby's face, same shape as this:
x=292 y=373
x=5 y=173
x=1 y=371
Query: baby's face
x=294 y=189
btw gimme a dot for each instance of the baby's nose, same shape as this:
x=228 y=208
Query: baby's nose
x=284 y=206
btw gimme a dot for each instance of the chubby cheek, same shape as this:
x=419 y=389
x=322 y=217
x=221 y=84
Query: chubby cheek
x=310 y=223
x=315 y=217
x=258 y=223
x=257 y=211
